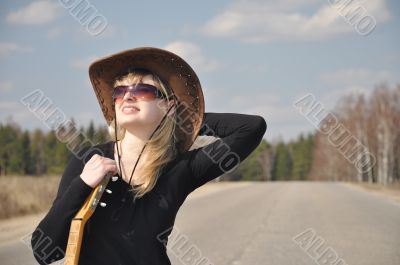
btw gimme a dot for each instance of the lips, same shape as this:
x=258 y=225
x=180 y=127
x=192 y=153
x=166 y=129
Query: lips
x=130 y=109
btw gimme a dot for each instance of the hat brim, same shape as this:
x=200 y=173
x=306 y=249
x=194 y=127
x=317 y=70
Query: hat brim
x=171 y=68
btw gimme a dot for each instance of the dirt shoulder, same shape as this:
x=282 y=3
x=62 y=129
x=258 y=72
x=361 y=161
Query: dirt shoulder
x=16 y=228
x=391 y=192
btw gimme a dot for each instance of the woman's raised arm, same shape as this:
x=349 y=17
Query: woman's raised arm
x=240 y=134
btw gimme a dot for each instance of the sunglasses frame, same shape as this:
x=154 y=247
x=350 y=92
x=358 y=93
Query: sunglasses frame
x=132 y=88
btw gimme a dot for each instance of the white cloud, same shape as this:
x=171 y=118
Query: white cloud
x=35 y=13
x=347 y=82
x=84 y=118
x=83 y=63
x=253 y=99
x=9 y=105
x=54 y=33
x=392 y=57
x=6 y=86
x=283 y=120
x=266 y=104
x=16 y=111
x=193 y=55
x=356 y=77
x=266 y=21
x=7 y=48
x=352 y=81
x=110 y=31
x=332 y=98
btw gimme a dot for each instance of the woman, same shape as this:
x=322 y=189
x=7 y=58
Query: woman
x=154 y=106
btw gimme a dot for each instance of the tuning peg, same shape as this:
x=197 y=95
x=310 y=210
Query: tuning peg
x=114 y=178
x=108 y=191
x=102 y=204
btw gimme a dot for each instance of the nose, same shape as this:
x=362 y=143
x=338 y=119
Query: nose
x=128 y=96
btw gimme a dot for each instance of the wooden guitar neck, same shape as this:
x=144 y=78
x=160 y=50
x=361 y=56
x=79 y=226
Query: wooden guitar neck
x=78 y=223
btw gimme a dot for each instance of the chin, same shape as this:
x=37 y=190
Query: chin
x=129 y=121
x=133 y=122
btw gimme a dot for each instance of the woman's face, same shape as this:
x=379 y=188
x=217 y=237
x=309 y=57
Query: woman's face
x=149 y=113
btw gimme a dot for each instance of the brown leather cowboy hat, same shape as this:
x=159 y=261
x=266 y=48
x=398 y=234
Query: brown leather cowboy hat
x=171 y=69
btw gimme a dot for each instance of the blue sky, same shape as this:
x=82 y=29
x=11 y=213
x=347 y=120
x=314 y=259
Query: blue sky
x=254 y=57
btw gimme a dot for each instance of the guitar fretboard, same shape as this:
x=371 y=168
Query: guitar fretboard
x=74 y=242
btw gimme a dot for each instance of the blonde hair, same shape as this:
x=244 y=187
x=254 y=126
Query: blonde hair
x=161 y=148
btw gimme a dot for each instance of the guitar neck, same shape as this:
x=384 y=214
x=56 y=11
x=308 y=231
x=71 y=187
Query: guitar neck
x=74 y=241
x=79 y=221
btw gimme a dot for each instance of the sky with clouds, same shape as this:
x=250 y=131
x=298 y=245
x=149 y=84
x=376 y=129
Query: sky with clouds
x=253 y=57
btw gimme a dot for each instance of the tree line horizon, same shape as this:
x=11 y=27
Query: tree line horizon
x=374 y=120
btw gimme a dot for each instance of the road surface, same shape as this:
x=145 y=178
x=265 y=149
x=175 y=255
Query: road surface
x=279 y=223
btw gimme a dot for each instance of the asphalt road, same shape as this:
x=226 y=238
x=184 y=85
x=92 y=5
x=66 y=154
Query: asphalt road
x=278 y=223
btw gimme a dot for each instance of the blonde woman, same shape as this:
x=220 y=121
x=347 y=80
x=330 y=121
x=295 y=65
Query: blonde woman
x=154 y=106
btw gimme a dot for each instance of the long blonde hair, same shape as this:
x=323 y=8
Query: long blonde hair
x=161 y=148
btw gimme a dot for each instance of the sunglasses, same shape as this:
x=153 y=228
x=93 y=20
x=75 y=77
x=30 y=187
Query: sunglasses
x=141 y=91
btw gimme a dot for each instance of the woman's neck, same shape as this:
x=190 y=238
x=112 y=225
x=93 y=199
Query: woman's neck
x=132 y=143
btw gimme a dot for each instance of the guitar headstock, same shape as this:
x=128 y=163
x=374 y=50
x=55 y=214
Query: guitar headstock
x=78 y=222
x=93 y=199
x=99 y=192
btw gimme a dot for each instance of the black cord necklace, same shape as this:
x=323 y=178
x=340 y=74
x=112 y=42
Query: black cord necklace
x=116 y=213
x=124 y=199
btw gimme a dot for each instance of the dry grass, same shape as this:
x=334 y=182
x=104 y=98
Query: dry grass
x=26 y=195
x=29 y=195
x=391 y=192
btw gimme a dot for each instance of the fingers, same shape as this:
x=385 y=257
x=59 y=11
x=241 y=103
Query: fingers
x=101 y=159
x=111 y=168
x=104 y=163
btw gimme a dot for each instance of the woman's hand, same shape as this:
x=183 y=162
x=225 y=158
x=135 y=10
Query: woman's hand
x=96 y=168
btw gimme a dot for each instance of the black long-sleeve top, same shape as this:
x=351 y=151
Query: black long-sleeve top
x=128 y=232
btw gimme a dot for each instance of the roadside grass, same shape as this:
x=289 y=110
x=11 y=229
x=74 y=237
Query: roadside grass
x=391 y=191
x=23 y=195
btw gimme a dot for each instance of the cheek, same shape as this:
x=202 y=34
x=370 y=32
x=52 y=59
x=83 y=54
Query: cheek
x=153 y=112
x=148 y=114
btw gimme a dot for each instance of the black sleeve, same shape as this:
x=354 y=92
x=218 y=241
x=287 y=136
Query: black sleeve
x=240 y=134
x=49 y=240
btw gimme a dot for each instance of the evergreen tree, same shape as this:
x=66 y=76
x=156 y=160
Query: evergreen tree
x=11 y=150
x=27 y=163
x=283 y=163
x=90 y=132
x=302 y=156
x=50 y=146
x=299 y=159
x=102 y=135
x=38 y=153
x=250 y=168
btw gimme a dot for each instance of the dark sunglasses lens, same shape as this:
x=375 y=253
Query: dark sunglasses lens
x=119 y=92
x=140 y=91
x=145 y=92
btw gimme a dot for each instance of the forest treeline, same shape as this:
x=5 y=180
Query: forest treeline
x=362 y=144
x=359 y=140
x=365 y=144
x=39 y=153
x=43 y=153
